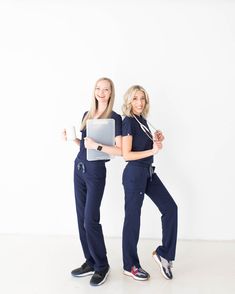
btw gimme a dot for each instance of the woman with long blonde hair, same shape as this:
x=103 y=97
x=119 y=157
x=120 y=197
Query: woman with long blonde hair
x=89 y=183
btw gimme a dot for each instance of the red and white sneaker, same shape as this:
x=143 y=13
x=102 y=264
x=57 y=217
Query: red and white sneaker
x=137 y=273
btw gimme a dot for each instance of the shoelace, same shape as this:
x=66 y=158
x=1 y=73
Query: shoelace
x=135 y=270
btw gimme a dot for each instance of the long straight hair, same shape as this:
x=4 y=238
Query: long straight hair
x=94 y=105
x=128 y=98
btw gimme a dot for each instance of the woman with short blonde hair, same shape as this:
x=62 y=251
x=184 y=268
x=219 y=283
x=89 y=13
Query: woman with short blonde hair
x=128 y=97
x=139 y=146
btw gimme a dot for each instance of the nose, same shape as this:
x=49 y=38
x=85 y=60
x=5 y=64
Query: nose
x=101 y=92
x=139 y=103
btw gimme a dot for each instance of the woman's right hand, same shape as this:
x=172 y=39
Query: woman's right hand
x=157 y=145
x=64 y=135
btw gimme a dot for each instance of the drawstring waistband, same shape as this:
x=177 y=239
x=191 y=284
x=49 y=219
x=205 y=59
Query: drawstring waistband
x=81 y=167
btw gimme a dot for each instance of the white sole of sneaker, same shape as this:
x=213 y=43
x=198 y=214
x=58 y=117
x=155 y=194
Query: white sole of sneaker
x=160 y=265
x=83 y=275
x=105 y=278
x=133 y=276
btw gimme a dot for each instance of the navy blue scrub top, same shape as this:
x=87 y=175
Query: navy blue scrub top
x=118 y=132
x=140 y=141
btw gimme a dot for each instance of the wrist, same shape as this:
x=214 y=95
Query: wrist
x=99 y=147
x=154 y=151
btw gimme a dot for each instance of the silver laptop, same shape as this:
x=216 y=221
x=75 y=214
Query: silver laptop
x=102 y=131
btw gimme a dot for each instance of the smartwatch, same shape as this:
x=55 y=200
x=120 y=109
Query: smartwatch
x=99 y=148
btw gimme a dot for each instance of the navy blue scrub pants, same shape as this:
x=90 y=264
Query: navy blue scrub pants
x=89 y=183
x=137 y=181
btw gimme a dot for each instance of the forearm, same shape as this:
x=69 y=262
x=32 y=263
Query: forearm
x=112 y=150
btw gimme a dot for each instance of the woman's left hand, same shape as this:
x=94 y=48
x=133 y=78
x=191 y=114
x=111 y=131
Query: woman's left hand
x=158 y=136
x=90 y=143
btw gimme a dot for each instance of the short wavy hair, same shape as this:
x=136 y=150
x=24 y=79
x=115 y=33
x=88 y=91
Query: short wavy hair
x=128 y=98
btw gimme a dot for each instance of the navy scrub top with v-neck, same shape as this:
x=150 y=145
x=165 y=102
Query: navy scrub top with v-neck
x=140 y=140
x=82 y=155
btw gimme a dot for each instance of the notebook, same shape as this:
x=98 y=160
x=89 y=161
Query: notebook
x=102 y=131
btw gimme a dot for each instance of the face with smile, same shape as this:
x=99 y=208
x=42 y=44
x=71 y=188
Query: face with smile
x=103 y=91
x=138 y=102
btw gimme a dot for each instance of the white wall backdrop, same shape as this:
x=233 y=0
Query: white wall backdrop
x=182 y=52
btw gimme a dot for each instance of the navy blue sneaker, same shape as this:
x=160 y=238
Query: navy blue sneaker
x=99 y=277
x=83 y=271
x=165 y=265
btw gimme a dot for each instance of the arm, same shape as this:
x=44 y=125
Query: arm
x=64 y=135
x=111 y=150
x=135 y=155
x=77 y=141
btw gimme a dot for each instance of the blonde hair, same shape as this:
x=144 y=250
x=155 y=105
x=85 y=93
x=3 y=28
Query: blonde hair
x=94 y=105
x=128 y=98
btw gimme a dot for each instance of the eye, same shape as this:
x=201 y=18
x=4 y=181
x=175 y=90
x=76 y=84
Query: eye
x=97 y=88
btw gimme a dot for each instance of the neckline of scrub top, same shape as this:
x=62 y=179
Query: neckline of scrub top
x=144 y=128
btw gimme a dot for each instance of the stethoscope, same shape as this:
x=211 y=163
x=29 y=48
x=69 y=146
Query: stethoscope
x=145 y=129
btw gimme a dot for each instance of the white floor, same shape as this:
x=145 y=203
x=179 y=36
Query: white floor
x=42 y=265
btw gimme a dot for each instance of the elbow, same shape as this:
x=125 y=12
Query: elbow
x=125 y=156
x=119 y=151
